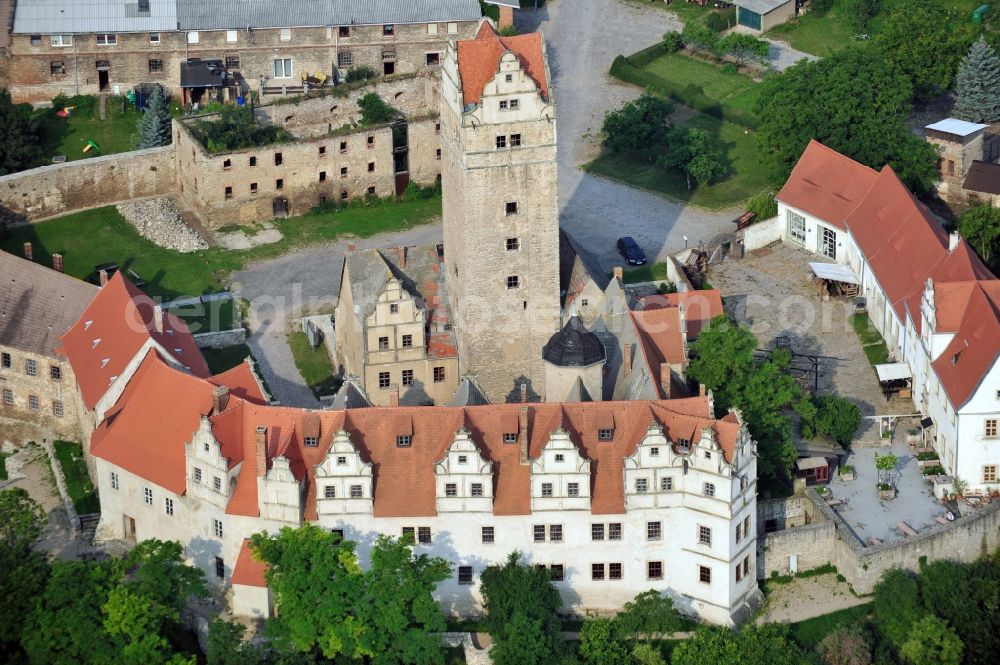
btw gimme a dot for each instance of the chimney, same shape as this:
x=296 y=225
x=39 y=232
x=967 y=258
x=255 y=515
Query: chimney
x=506 y=17
x=702 y=391
x=158 y=318
x=524 y=393
x=28 y=252
x=394 y=395
x=522 y=433
x=627 y=359
x=952 y=241
x=57 y=262
x=102 y=275
x=402 y=257
x=261 y=451
x=220 y=397
x=665 y=379
x=618 y=272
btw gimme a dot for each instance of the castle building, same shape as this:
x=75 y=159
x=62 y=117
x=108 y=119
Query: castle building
x=500 y=208
x=208 y=50
x=968 y=162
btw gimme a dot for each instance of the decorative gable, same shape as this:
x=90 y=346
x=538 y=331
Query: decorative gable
x=207 y=470
x=560 y=476
x=463 y=478
x=344 y=480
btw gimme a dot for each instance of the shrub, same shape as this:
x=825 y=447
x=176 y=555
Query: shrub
x=763 y=206
x=361 y=73
x=927 y=455
x=666 y=287
x=235 y=129
x=845 y=646
x=374 y=110
x=729 y=68
x=673 y=42
x=820 y=7
x=722 y=20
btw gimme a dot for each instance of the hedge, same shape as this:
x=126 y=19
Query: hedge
x=629 y=70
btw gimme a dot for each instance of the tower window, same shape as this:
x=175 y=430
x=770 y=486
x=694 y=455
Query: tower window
x=513 y=281
x=510 y=208
x=371 y=167
x=504 y=105
x=515 y=140
x=394 y=308
x=513 y=244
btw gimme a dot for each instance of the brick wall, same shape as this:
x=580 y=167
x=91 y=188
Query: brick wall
x=62 y=188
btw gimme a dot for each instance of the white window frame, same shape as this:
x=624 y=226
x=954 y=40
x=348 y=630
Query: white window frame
x=287 y=69
x=285 y=35
x=793 y=231
x=217 y=528
x=114 y=480
x=193 y=37
x=168 y=506
x=453 y=28
x=232 y=36
x=147 y=495
x=61 y=41
x=154 y=38
x=110 y=39
x=432 y=28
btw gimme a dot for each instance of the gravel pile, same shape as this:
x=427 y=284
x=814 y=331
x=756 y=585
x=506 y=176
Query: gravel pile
x=159 y=221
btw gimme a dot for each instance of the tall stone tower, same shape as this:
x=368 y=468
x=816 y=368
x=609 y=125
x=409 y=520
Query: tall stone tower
x=501 y=212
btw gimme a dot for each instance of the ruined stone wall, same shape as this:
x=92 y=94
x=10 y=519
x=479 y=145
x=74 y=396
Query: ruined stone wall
x=62 y=188
x=56 y=406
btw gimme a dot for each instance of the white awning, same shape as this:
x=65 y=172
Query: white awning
x=835 y=272
x=811 y=463
x=893 y=372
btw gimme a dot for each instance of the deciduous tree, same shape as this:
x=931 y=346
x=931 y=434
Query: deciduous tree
x=768 y=643
x=977 y=86
x=691 y=152
x=861 y=12
x=23 y=571
x=640 y=126
x=744 y=48
x=981 y=227
x=699 y=37
x=845 y=646
x=20 y=146
x=932 y=640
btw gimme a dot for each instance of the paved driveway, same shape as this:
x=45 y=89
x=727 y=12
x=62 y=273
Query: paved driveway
x=781 y=55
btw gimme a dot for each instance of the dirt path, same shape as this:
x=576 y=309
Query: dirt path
x=807 y=597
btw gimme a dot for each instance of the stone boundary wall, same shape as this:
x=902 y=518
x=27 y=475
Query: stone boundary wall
x=57 y=471
x=829 y=540
x=57 y=189
x=218 y=339
x=761 y=234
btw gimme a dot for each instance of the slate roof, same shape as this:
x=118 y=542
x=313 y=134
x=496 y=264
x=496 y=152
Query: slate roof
x=577 y=267
x=38 y=304
x=573 y=346
x=468 y=394
x=90 y=16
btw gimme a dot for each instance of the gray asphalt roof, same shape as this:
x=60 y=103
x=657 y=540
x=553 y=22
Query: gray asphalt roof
x=38 y=304
x=100 y=16
x=761 y=6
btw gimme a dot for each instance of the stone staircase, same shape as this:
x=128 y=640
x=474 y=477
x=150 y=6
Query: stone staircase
x=88 y=527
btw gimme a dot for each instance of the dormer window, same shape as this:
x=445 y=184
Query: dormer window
x=87 y=324
x=510 y=437
x=708 y=455
x=311 y=441
x=341 y=460
x=96 y=342
x=508 y=78
x=404 y=441
x=105 y=361
x=684 y=445
x=605 y=434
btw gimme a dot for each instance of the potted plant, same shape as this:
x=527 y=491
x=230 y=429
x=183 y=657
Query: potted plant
x=886 y=491
x=913 y=436
x=885 y=465
x=847 y=472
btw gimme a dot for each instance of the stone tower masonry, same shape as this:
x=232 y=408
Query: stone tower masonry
x=500 y=207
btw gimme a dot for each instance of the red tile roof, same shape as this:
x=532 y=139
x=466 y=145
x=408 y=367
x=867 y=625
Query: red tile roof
x=479 y=60
x=700 y=307
x=146 y=430
x=976 y=346
x=242 y=382
x=112 y=329
x=248 y=571
x=659 y=332
x=826 y=184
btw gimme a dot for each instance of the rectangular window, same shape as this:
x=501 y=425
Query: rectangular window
x=739 y=571
x=488 y=534
x=465 y=575
x=666 y=484
x=797 y=227
x=510 y=208
x=388 y=30
x=654 y=452
x=438 y=374
x=546 y=489
x=407 y=341
x=453 y=28
x=168 y=506
x=504 y=105
x=704 y=535
x=33 y=402
x=501 y=142
x=515 y=140
x=279 y=183
x=410 y=532
x=61 y=40
x=573 y=489
x=539 y=532
x=344 y=31
x=477 y=489
x=424 y=535
x=990 y=473
x=605 y=434
x=155 y=66
x=437 y=154
x=57 y=408
x=746 y=565
x=310 y=441
x=433 y=59
x=192 y=37
x=31 y=369
x=343 y=171
x=739 y=532
x=404 y=441
x=513 y=281
x=709 y=489
x=220 y=567
x=597 y=571
x=432 y=28
x=383 y=343
x=370 y=191
x=614 y=571
x=339 y=533
x=8 y=396
x=57 y=68
x=653 y=531
x=285 y=35
x=597 y=532
x=217 y=484
x=451 y=489
x=107 y=40
x=705 y=574
x=253 y=161
x=253 y=188
x=330 y=492
x=555 y=533
x=5 y=361
x=114 y=480
x=615 y=531
x=513 y=106
x=641 y=485
x=356 y=492
x=394 y=308
x=154 y=38
x=322 y=151
x=229 y=192
x=557 y=573
x=231 y=36
x=36 y=40
x=217 y=528
x=383 y=379
x=197 y=475
x=510 y=437
x=282 y=68
x=371 y=141
x=654 y=570
x=746 y=526
x=991 y=426
x=345 y=59
x=147 y=496
x=513 y=244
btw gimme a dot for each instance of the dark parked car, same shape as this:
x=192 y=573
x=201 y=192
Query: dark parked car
x=631 y=252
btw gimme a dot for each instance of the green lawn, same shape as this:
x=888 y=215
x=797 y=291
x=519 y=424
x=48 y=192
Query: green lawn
x=88 y=238
x=747 y=174
x=692 y=75
x=228 y=357
x=811 y=632
x=871 y=341
x=651 y=272
x=209 y=316
x=313 y=364
x=68 y=136
x=74 y=468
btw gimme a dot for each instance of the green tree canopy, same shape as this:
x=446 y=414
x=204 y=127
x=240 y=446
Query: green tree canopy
x=521 y=613
x=977 y=83
x=699 y=37
x=766 y=644
x=691 y=152
x=640 y=126
x=374 y=110
x=834 y=416
x=744 y=48
x=981 y=227
x=226 y=645
x=861 y=12
x=822 y=100
x=896 y=605
x=20 y=146
x=763 y=206
x=154 y=125
x=23 y=570
x=602 y=643
x=932 y=640
x=237 y=128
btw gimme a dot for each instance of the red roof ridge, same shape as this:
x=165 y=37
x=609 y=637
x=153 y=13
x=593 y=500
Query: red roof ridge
x=479 y=59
